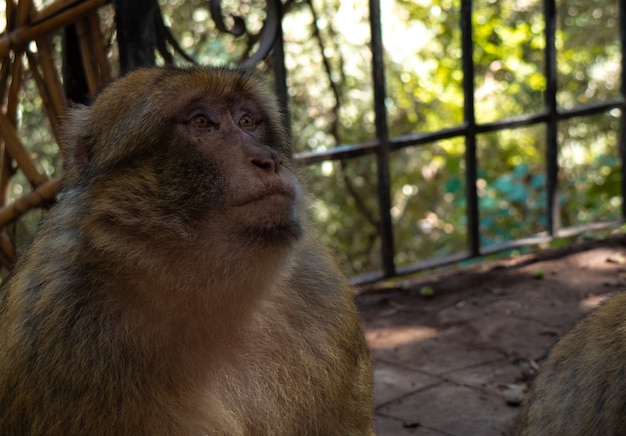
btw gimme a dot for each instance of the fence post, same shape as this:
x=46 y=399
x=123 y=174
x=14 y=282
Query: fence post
x=382 y=134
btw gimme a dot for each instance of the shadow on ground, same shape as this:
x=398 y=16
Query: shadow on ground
x=458 y=363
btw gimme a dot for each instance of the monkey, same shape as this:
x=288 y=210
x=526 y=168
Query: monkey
x=581 y=388
x=177 y=286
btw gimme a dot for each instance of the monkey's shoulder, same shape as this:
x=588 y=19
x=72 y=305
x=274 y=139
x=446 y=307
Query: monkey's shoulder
x=602 y=330
x=579 y=389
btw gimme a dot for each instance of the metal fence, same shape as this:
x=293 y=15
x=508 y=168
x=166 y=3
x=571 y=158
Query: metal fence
x=383 y=145
x=549 y=116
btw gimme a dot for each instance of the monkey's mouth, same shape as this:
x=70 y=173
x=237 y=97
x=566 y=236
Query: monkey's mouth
x=283 y=192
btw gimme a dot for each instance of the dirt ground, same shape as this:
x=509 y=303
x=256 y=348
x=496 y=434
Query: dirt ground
x=458 y=363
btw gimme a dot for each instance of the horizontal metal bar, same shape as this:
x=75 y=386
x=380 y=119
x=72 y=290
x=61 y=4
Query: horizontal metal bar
x=590 y=108
x=410 y=140
x=577 y=230
x=540 y=238
x=337 y=153
x=434 y=263
x=368 y=277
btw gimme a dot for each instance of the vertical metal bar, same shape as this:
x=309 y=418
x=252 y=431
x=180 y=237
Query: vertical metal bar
x=382 y=133
x=471 y=161
x=622 y=130
x=552 y=166
x=278 y=61
x=136 y=34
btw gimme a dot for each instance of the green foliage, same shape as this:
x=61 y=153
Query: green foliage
x=424 y=87
x=329 y=66
x=428 y=201
x=588 y=51
x=354 y=185
x=590 y=169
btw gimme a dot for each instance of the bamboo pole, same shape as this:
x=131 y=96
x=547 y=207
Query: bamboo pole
x=34 y=198
x=24 y=9
x=5 y=69
x=17 y=150
x=14 y=88
x=82 y=31
x=52 y=9
x=8 y=250
x=11 y=67
x=5 y=175
x=51 y=77
x=22 y=35
x=44 y=92
x=99 y=49
x=6 y=169
x=10 y=14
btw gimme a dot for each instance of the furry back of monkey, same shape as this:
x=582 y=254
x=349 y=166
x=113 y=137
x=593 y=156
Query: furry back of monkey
x=581 y=389
x=177 y=287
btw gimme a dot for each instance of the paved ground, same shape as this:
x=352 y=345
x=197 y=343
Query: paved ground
x=458 y=363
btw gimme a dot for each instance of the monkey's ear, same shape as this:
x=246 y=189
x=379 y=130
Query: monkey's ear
x=76 y=144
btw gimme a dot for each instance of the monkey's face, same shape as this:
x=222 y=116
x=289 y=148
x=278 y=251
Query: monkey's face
x=251 y=190
x=201 y=153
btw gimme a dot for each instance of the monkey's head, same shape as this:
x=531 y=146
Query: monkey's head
x=198 y=154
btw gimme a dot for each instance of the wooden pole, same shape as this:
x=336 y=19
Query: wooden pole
x=17 y=150
x=34 y=198
x=21 y=36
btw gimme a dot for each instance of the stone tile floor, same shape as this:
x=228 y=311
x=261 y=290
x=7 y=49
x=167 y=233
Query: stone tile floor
x=458 y=363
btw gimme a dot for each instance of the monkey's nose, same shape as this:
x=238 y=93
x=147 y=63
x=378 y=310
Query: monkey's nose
x=270 y=162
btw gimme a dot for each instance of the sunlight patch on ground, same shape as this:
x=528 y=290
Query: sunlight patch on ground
x=591 y=301
x=392 y=337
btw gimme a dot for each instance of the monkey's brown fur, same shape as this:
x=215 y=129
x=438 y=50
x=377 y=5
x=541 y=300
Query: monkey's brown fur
x=176 y=288
x=581 y=389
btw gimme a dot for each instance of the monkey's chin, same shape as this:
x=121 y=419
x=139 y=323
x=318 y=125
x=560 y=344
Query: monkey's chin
x=280 y=234
x=270 y=220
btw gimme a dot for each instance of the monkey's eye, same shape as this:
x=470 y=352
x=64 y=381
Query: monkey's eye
x=200 y=122
x=246 y=121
